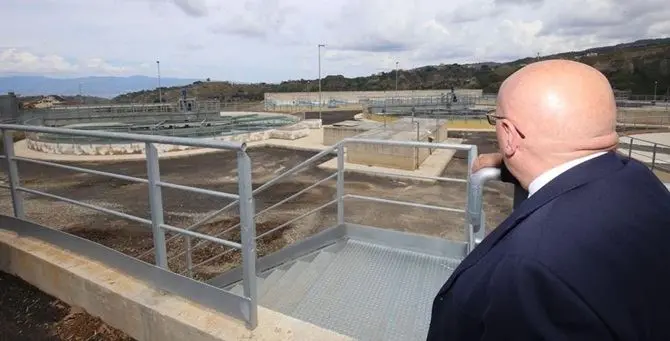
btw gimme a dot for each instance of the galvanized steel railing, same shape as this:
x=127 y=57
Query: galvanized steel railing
x=472 y=211
x=244 y=196
x=655 y=155
x=473 y=229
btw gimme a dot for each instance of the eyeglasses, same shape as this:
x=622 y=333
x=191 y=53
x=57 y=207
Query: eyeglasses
x=493 y=118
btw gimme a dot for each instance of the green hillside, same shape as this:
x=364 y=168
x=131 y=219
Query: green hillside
x=632 y=66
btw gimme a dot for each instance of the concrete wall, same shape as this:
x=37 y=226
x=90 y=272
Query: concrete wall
x=333 y=135
x=407 y=158
x=292 y=132
x=144 y=312
x=382 y=156
x=294 y=98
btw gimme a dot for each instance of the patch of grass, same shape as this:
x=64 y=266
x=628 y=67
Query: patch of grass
x=469 y=124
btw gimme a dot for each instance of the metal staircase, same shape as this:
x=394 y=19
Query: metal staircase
x=357 y=288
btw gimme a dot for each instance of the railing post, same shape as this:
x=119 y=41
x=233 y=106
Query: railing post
x=248 y=236
x=187 y=256
x=469 y=232
x=653 y=157
x=12 y=174
x=156 y=205
x=340 y=184
x=630 y=148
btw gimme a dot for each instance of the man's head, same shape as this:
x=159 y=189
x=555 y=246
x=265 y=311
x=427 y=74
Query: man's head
x=551 y=112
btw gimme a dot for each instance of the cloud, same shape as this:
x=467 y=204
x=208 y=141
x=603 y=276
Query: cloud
x=252 y=18
x=194 y=8
x=273 y=40
x=519 y=2
x=14 y=61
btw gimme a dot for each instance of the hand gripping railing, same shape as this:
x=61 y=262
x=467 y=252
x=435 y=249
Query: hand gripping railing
x=475 y=212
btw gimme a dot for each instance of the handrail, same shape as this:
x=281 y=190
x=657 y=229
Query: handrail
x=258 y=190
x=244 y=197
x=475 y=212
x=647 y=141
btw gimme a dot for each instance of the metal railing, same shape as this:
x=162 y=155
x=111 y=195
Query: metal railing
x=473 y=234
x=655 y=155
x=244 y=199
x=155 y=184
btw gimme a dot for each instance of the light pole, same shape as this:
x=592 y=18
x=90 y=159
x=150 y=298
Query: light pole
x=158 y=68
x=81 y=98
x=396 y=78
x=655 y=87
x=320 y=46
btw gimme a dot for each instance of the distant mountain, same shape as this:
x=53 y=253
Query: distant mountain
x=633 y=67
x=106 y=87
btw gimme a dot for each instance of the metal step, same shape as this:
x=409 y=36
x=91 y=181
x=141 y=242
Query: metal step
x=374 y=292
x=270 y=281
x=284 y=286
x=302 y=284
x=238 y=288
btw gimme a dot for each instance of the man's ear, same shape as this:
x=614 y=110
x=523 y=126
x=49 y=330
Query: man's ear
x=510 y=138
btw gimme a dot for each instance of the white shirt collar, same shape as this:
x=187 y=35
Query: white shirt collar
x=551 y=174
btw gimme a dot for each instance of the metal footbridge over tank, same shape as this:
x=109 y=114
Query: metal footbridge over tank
x=362 y=281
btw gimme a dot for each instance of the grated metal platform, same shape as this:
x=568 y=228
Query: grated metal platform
x=358 y=288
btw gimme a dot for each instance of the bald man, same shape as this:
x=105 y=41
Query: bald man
x=587 y=255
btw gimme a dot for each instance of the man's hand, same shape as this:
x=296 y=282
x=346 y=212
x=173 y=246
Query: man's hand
x=487 y=160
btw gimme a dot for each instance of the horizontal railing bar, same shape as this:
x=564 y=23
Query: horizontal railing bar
x=294 y=169
x=201 y=236
x=296 y=219
x=412 y=176
x=4 y=186
x=297 y=194
x=79 y=203
x=197 y=245
x=83 y=170
x=405 y=203
x=182 y=141
x=215 y=257
x=199 y=190
x=647 y=141
x=398 y=143
x=268 y=184
x=191 y=227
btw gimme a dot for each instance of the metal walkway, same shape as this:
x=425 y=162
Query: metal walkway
x=358 y=288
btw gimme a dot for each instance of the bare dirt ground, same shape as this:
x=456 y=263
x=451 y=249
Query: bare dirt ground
x=27 y=314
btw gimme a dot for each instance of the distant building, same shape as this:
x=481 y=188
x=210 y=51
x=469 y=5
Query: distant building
x=47 y=102
x=9 y=107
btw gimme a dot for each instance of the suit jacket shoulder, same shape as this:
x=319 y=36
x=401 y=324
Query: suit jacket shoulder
x=595 y=238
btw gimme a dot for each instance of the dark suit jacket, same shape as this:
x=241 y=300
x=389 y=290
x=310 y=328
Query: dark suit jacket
x=587 y=257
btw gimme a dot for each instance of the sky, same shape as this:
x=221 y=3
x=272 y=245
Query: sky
x=275 y=40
